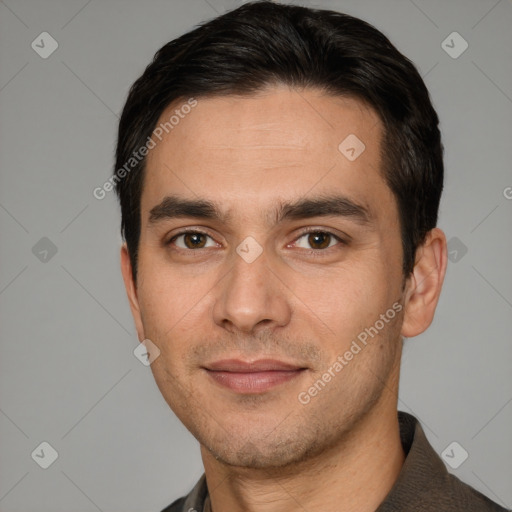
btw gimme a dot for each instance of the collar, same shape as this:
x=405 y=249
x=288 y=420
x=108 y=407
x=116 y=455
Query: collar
x=423 y=484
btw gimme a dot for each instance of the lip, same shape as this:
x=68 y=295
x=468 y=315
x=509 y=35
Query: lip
x=260 y=365
x=254 y=376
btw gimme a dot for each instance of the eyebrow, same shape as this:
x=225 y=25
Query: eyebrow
x=322 y=206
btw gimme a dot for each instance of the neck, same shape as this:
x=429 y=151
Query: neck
x=355 y=474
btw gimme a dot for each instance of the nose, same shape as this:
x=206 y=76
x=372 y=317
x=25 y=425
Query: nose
x=251 y=297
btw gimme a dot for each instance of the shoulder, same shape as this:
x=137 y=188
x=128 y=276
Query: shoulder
x=176 y=506
x=424 y=483
x=193 y=501
x=464 y=497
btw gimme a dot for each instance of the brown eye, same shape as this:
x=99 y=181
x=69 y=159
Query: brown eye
x=191 y=240
x=194 y=240
x=317 y=240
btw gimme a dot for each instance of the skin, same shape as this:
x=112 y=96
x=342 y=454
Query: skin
x=268 y=451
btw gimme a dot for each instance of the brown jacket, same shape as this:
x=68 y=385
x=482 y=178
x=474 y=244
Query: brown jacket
x=423 y=485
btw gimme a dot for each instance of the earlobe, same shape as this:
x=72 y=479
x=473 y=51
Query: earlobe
x=425 y=283
x=131 y=291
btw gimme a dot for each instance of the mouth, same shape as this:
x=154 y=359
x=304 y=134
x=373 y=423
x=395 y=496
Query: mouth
x=252 y=377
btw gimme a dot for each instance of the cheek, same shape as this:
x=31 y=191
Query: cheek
x=168 y=299
x=341 y=297
x=345 y=308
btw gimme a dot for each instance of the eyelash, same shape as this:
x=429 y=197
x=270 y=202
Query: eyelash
x=304 y=233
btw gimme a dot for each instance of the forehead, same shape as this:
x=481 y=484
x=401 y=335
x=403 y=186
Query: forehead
x=245 y=152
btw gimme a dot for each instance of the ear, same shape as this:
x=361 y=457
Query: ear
x=424 y=285
x=131 y=291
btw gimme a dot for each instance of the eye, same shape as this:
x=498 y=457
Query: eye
x=191 y=240
x=313 y=240
x=317 y=240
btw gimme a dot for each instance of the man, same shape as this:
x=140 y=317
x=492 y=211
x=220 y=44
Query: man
x=279 y=171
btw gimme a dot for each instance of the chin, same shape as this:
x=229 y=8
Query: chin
x=250 y=456
x=251 y=451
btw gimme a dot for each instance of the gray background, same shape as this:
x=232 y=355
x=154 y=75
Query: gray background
x=68 y=373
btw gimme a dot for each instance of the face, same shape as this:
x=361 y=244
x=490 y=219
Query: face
x=259 y=295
